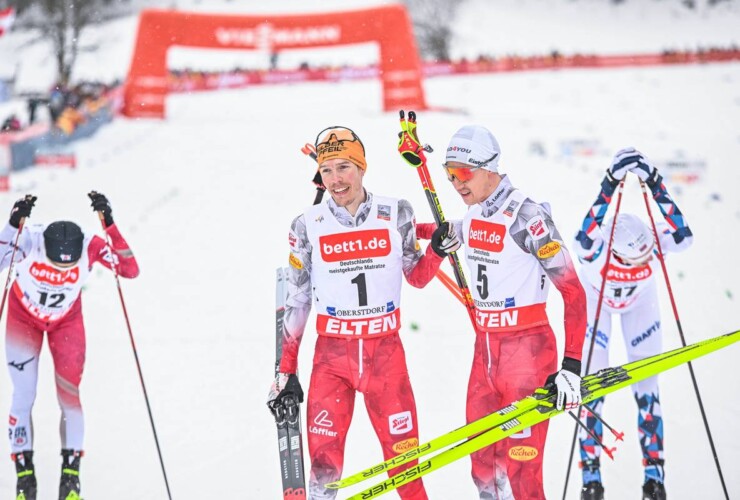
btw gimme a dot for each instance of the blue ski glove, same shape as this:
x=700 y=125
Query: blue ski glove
x=646 y=171
x=623 y=162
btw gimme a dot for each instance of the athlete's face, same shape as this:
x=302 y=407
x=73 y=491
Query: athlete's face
x=343 y=181
x=473 y=185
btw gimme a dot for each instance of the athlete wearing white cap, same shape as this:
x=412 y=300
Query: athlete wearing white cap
x=630 y=293
x=513 y=252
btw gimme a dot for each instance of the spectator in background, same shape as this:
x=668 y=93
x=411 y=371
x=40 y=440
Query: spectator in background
x=32 y=104
x=57 y=102
x=11 y=124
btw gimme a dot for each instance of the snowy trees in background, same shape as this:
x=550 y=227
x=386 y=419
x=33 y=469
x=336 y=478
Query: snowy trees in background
x=433 y=21
x=61 y=22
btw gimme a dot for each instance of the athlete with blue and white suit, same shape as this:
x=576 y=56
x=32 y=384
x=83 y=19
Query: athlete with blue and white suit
x=631 y=294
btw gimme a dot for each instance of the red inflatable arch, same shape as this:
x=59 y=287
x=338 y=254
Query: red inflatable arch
x=389 y=26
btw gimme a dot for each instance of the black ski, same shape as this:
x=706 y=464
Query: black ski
x=287 y=412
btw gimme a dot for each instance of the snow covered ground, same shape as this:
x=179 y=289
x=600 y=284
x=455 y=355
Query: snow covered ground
x=205 y=199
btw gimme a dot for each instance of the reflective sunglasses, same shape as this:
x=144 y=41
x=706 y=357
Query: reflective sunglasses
x=464 y=174
x=461 y=174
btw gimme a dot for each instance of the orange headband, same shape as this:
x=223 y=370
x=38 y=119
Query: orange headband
x=340 y=142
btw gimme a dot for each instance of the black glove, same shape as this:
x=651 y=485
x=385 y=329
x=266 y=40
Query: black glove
x=445 y=240
x=570 y=364
x=291 y=387
x=21 y=209
x=101 y=204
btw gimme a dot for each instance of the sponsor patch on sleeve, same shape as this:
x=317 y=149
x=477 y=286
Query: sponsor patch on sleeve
x=295 y=262
x=548 y=250
x=293 y=240
x=537 y=228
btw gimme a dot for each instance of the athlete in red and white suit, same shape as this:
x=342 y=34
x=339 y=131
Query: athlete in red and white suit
x=347 y=256
x=513 y=252
x=45 y=297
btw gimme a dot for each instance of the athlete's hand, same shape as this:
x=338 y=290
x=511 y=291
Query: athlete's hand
x=285 y=384
x=409 y=146
x=623 y=162
x=645 y=170
x=445 y=240
x=21 y=210
x=101 y=204
x=568 y=384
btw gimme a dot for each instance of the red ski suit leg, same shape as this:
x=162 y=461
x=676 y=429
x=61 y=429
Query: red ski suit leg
x=381 y=376
x=66 y=338
x=508 y=367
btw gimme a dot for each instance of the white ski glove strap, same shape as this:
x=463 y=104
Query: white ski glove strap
x=569 y=390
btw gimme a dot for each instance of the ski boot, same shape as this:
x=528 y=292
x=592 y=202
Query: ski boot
x=25 y=488
x=69 y=484
x=592 y=488
x=653 y=490
x=592 y=491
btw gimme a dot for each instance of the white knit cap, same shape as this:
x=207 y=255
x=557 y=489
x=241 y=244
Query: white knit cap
x=633 y=239
x=475 y=146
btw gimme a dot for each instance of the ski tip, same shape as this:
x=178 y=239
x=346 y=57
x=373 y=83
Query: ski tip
x=401 y=114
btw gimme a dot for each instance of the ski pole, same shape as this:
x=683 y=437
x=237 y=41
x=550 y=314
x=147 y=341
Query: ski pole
x=310 y=150
x=619 y=436
x=683 y=339
x=609 y=451
x=136 y=355
x=450 y=285
x=439 y=218
x=595 y=329
x=10 y=266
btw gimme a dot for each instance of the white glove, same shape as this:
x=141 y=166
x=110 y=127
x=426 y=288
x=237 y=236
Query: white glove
x=569 y=390
x=644 y=169
x=623 y=162
x=445 y=240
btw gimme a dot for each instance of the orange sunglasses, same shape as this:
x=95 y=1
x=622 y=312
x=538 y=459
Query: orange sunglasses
x=462 y=174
